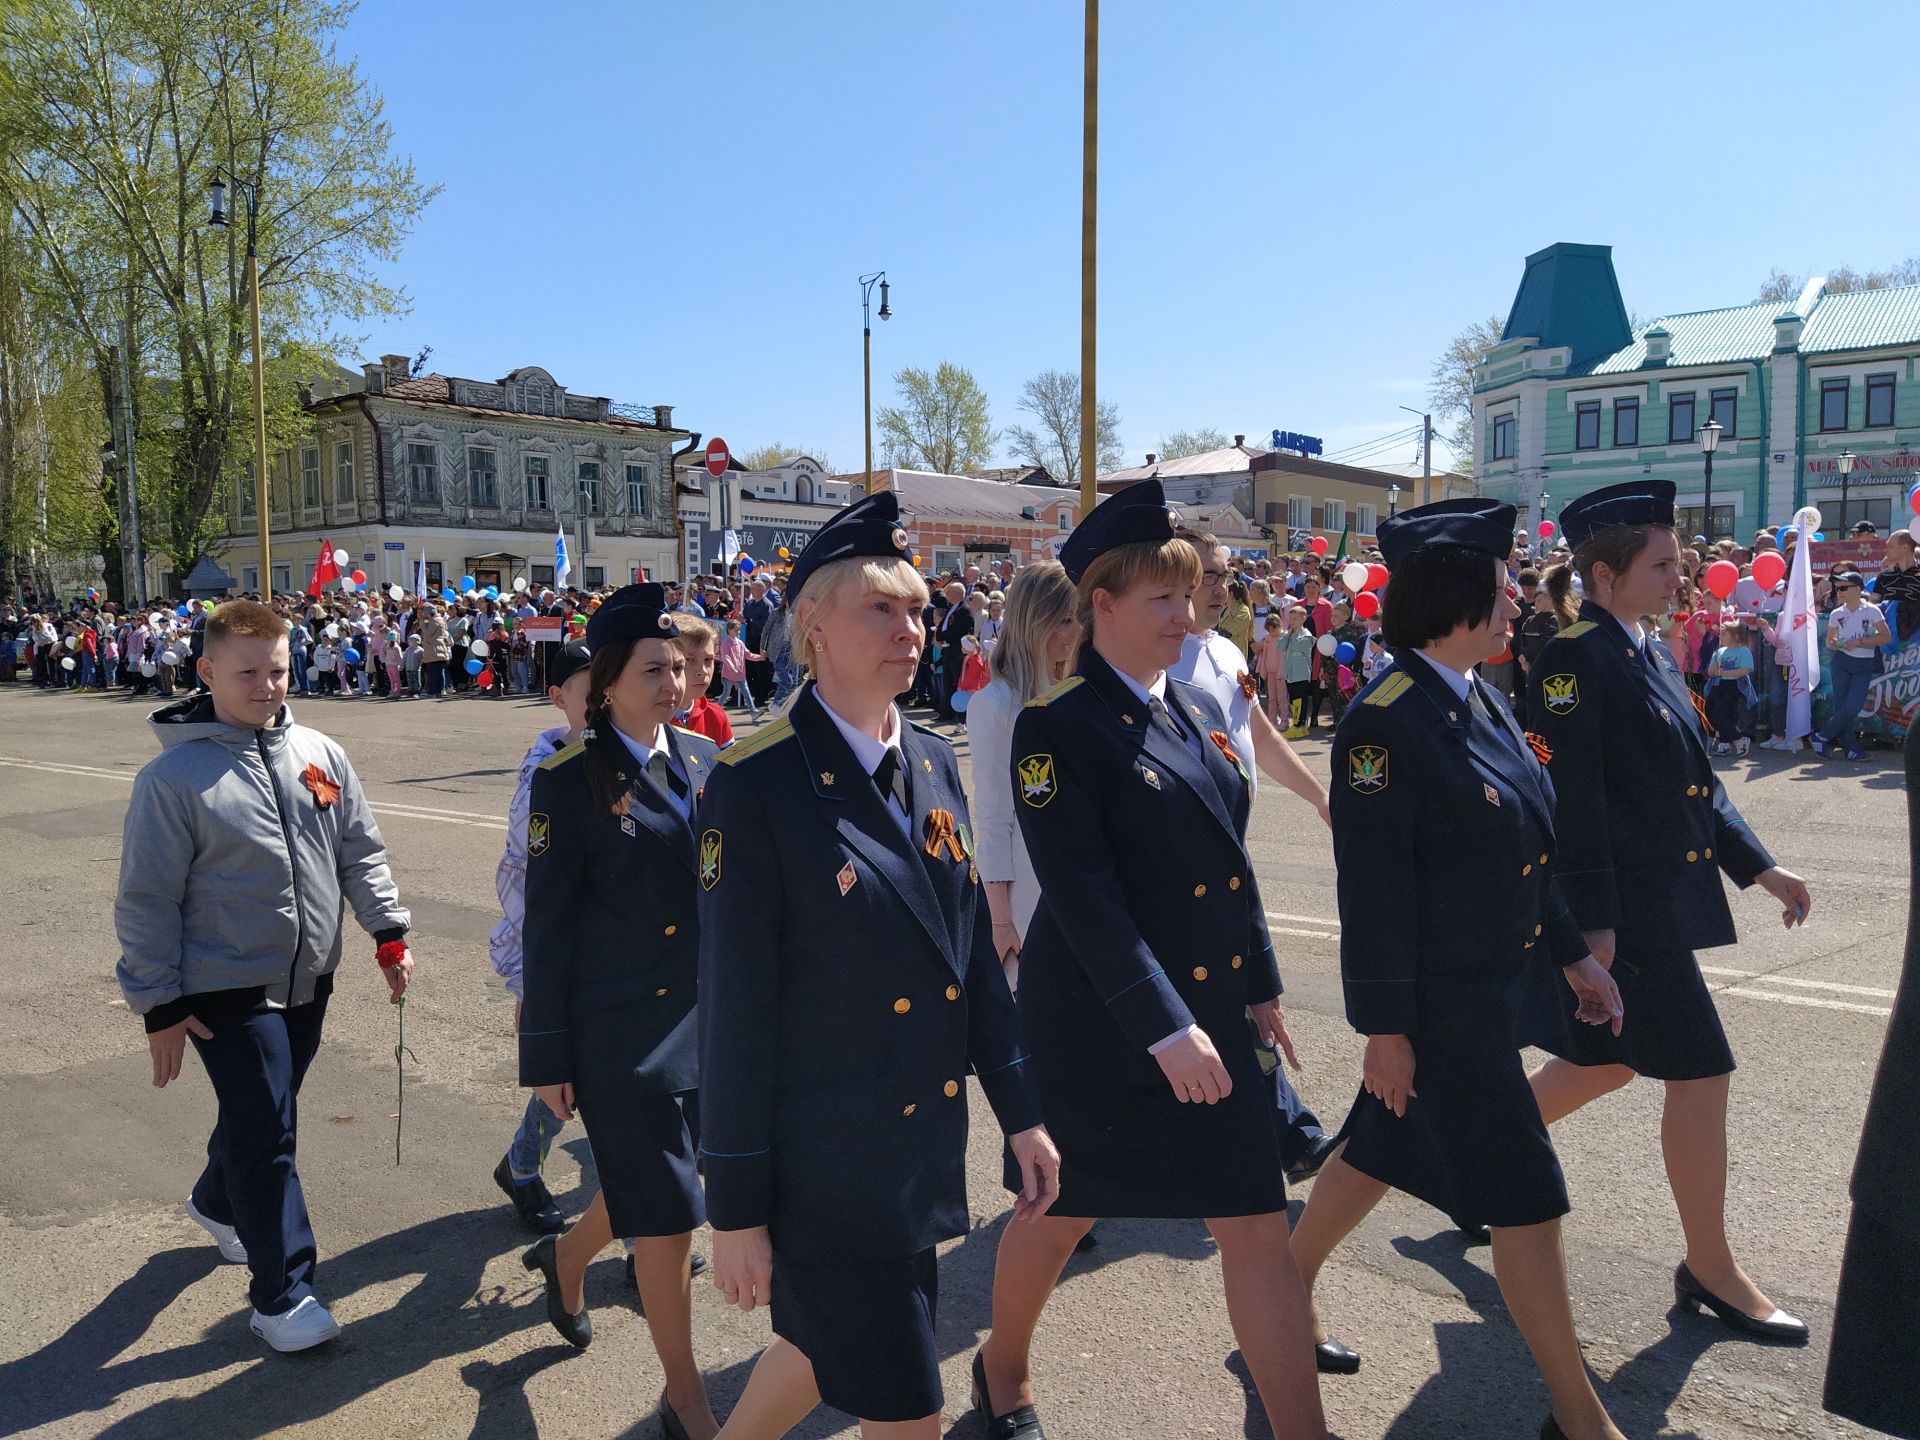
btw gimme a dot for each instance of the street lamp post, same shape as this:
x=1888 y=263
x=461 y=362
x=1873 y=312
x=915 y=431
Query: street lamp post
x=1393 y=501
x=1846 y=461
x=1709 y=442
x=1541 y=504
x=867 y=283
x=221 y=218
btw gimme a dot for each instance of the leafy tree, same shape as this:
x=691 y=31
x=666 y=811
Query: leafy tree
x=941 y=423
x=1182 y=443
x=1053 y=399
x=1782 y=288
x=118 y=113
x=1450 y=388
x=777 y=453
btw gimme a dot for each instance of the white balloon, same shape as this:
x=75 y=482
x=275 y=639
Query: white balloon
x=1326 y=644
x=157 y=619
x=520 y=582
x=1354 y=574
x=73 y=642
x=167 y=657
x=333 y=632
x=396 y=592
x=479 y=649
x=67 y=662
x=339 y=557
x=148 y=669
x=1807 y=515
x=1914 y=528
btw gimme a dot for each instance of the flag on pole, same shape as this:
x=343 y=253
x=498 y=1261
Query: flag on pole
x=1797 y=620
x=1341 y=554
x=324 y=570
x=420 y=572
x=561 y=566
x=729 y=547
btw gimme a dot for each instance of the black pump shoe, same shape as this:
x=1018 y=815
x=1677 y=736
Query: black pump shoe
x=1690 y=1294
x=576 y=1330
x=532 y=1202
x=1021 y=1424
x=1472 y=1231
x=670 y=1425
x=1330 y=1357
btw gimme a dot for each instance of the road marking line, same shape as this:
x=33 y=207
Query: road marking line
x=1808 y=1000
x=1314 y=934
x=402 y=812
x=1309 y=919
x=1833 y=985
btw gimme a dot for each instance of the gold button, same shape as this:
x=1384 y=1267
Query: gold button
x=1693 y=789
x=1234 y=883
x=673 y=929
x=902 y=1005
x=952 y=1088
x=660 y=992
x=953 y=992
x=1692 y=855
x=1238 y=961
x=1199 y=891
x=1708 y=854
x=1543 y=858
x=1527 y=946
x=1526 y=869
x=1536 y=930
x=909 y=1110
x=1199 y=972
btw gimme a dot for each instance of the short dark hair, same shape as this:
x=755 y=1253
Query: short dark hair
x=1434 y=591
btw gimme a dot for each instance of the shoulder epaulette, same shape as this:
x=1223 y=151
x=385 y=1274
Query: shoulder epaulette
x=1054 y=692
x=766 y=739
x=694 y=733
x=1390 y=689
x=1575 y=630
x=560 y=757
x=929 y=730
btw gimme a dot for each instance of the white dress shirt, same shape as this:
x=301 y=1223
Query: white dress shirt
x=1002 y=849
x=1458 y=681
x=660 y=746
x=1215 y=664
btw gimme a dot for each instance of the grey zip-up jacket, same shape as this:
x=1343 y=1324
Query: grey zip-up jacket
x=232 y=873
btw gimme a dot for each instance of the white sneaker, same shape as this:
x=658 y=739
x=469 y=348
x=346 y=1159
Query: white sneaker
x=304 y=1326
x=225 y=1236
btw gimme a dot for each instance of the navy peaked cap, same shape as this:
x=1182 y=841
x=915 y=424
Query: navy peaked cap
x=1138 y=513
x=1485 y=525
x=1637 y=502
x=869 y=527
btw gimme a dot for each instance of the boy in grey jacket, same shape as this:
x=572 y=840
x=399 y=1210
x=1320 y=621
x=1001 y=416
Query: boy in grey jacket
x=243 y=839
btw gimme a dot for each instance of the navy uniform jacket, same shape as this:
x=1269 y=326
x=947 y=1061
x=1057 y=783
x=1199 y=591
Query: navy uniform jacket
x=849 y=983
x=1087 y=766
x=611 y=936
x=1643 y=819
x=1443 y=835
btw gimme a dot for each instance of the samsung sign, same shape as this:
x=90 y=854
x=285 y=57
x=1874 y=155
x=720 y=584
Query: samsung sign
x=1303 y=444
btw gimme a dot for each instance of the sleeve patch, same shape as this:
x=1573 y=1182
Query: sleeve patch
x=1561 y=693
x=709 y=859
x=1367 y=769
x=1036 y=781
x=539 y=835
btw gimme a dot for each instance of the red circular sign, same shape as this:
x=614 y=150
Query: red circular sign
x=717 y=457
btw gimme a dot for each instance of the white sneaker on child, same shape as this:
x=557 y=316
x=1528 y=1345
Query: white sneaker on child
x=304 y=1326
x=225 y=1236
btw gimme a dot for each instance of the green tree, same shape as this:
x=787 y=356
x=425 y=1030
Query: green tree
x=1782 y=288
x=941 y=423
x=1450 y=389
x=1053 y=442
x=1182 y=443
x=118 y=114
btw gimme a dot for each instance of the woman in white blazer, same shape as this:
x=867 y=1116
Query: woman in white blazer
x=1038 y=638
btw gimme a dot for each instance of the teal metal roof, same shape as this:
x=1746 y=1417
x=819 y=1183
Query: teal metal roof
x=1864 y=319
x=1703 y=337
x=1569 y=296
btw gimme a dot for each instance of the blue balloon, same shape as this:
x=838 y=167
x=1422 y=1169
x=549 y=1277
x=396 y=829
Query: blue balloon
x=474 y=667
x=446 y=594
x=1871 y=582
x=746 y=565
x=466 y=583
x=1819 y=534
x=351 y=655
x=493 y=592
x=1345 y=652
x=182 y=611
x=960 y=701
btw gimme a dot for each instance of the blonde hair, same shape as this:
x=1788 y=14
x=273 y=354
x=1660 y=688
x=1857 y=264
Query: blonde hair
x=1040 y=598
x=696 y=631
x=1143 y=562
x=874 y=575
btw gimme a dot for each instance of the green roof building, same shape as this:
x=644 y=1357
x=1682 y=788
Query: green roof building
x=1575 y=398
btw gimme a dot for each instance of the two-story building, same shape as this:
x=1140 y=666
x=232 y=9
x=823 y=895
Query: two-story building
x=767 y=510
x=1575 y=397
x=475 y=476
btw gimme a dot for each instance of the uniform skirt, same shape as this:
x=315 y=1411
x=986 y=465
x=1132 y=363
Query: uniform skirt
x=1472 y=1143
x=1672 y=1029
x=867 y=1327
x=644 y=1144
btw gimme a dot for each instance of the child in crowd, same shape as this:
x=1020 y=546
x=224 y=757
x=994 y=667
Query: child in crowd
x=416 y=655
x=1270 y=663
x=733 y=671
x=219 y=946
x=1730 y=696
x=1777 y=671
x=1296 y=648
x=698 y=713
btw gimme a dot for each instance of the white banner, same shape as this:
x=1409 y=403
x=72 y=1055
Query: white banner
x=1799 y=622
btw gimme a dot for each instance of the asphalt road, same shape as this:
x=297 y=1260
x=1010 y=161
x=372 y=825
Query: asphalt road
x=117 y=1319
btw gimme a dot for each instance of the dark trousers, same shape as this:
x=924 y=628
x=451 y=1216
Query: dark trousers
x=256 y=1061
x=1299 y=1126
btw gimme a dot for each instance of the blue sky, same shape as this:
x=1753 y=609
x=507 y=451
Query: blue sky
x=1299 y=205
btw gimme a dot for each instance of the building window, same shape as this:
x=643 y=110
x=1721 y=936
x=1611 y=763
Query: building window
x=483 y=479
x=1365 y=517
x=423 y=472
x=542 y=574
x=590 y=486
x=1299 y=512
x=1690 y=520
x=1879 y=401
x=1833 y=404
x=1503 y=432
x=1066 y=519
x=945 y=560
x=1586 y=426
x=310 y=477
x=343 y=472
x=538 y=497
x=639 y=492
x=1724 y=406
x=1626 y=423
x=596 y=576
x=1680 y=419
x=1336 y=515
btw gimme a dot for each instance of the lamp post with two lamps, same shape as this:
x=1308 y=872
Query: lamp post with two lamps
x=867 y=282
x=221 y=219
x=1709 y=442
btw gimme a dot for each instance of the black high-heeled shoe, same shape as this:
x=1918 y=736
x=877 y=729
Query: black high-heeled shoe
x=1780 y=1327
x=670 y=1425
x=1021 y=1424
x=576 y=1330
x=1330 y=1357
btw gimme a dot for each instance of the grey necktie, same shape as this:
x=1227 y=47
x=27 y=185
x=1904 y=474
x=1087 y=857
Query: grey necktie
x=670 y=784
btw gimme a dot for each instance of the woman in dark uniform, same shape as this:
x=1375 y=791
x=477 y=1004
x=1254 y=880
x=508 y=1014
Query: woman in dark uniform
x=611 y=944
x=1146 y=955
x=850 y=982
x=1645 y=831
x=1438 y=793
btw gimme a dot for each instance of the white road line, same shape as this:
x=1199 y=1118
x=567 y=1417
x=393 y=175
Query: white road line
x=1795 y=981
x=1333 y=925
x=407 y=812
x=1808 y=1000
x=1312 y=934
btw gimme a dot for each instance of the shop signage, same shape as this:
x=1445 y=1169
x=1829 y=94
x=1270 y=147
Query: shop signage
x=1868 y=469
x=1304 y=444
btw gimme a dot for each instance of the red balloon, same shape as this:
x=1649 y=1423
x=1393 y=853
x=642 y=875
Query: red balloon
x=1546 y=529
x=1366 y=604
x=1376 y=577
x=359 y=577
x=1913 y=499
x=1769 y=569
x=1318 y=544
x=1721 y=577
